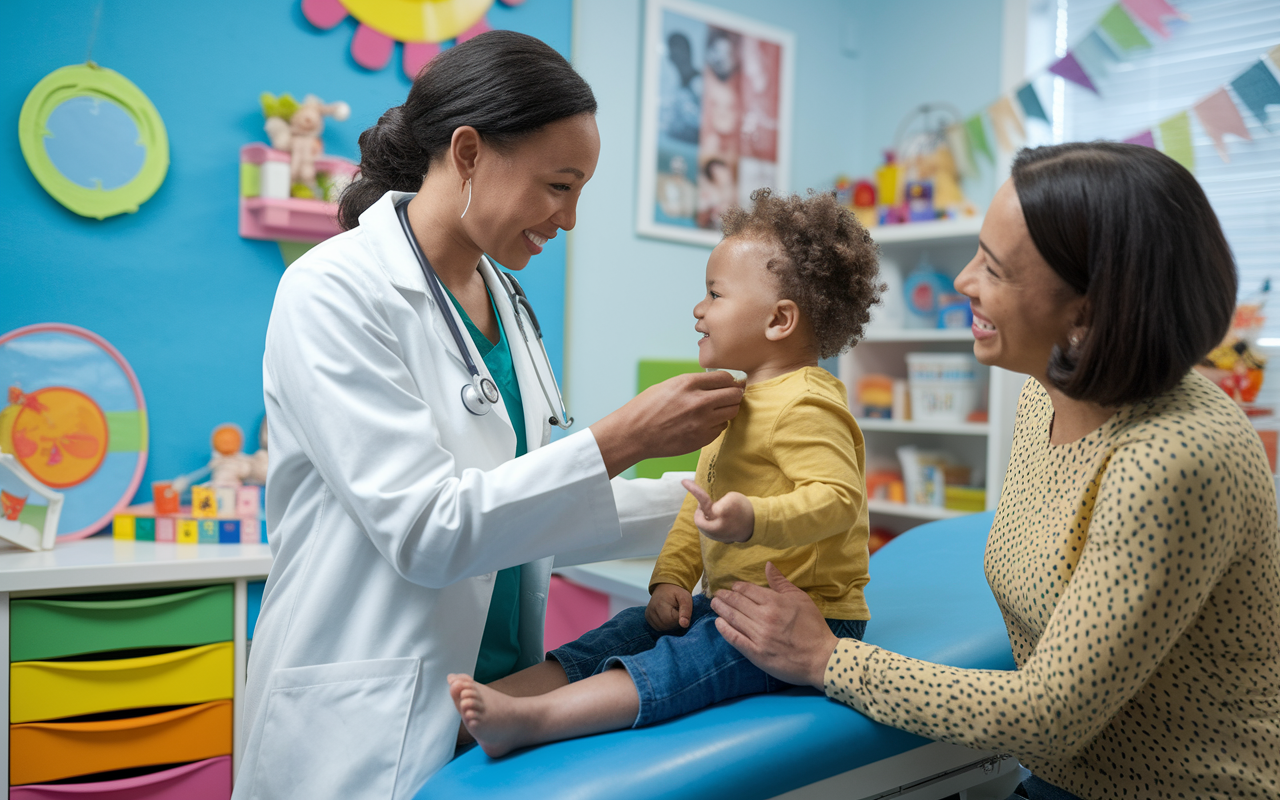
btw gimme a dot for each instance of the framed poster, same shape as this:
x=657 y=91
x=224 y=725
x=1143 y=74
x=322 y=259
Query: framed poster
x=715 y=121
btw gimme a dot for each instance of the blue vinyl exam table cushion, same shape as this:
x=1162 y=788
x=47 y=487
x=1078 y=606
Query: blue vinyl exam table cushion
x=929 y=599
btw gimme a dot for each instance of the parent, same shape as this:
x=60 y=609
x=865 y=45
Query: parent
x=412 y=538
x=1134 y=553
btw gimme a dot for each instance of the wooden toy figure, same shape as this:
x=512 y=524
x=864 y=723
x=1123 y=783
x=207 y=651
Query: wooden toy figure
x=296 y=128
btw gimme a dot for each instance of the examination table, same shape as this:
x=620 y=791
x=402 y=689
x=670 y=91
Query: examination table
x=929 y=599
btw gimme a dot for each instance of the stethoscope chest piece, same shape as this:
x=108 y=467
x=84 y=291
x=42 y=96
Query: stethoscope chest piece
x=479 y=401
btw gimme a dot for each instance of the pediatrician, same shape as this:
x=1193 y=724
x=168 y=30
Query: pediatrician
x=414 y=502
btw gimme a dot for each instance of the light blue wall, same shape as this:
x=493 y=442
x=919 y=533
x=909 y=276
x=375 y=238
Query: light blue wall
x=923 y=51
x=631 y=297
x=174 y=287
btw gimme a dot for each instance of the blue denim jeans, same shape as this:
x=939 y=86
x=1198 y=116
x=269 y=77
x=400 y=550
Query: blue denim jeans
x=679 y=672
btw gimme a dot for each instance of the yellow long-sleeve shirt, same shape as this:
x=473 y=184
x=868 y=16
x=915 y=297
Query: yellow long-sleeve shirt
x=795 y=451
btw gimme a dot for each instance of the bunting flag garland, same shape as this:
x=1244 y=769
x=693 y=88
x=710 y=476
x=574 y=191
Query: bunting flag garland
x=1095 y=57
x=1122 y=31
x=958 y=142
x=1152 y=13
x=1115 y=37
x=1146 y=139
x=1219 y=116
x=1068 y=67
x=1257 y=88
x=978 y=138
x=1008 y=128
x=1030 y=101
x=1175 y=140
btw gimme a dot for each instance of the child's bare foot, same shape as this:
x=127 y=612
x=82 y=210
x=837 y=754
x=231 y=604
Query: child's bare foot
x=500 y=723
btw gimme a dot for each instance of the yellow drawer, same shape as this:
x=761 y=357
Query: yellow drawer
x=54 y=689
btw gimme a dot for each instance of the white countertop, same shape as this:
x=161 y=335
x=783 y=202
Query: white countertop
x=625 y=578
x=101 y=561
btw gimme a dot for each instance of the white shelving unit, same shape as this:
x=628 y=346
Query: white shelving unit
x=947 y=245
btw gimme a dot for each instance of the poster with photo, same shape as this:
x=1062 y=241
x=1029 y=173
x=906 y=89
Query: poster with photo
x=715 y=120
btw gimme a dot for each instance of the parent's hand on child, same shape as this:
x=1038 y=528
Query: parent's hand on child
x=670 y=607
x=731 y=519
x=779 y=629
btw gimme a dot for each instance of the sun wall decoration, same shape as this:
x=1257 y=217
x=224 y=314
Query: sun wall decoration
x=421 y=25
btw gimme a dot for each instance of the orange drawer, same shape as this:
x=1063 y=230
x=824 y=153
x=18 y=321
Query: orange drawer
x=50 y=751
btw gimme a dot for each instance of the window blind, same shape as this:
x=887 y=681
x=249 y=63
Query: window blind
x=1219 y=40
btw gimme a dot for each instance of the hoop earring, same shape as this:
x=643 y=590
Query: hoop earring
x=464 y=211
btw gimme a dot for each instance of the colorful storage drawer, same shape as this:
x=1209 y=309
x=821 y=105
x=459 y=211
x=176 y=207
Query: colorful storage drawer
x=41 y=690
x=50 y=751
x=43 y=628
x=203 y=780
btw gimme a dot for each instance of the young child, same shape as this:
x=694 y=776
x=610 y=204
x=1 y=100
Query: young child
x=792 y=282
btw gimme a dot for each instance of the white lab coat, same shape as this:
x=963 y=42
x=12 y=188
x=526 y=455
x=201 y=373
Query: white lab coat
x=389 y=508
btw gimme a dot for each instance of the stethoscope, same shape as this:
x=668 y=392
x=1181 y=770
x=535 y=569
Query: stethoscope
x=480 y=393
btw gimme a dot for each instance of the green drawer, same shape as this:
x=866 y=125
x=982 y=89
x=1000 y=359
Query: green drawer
x=47 y=628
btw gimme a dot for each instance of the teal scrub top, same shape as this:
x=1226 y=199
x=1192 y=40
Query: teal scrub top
x=500 y=644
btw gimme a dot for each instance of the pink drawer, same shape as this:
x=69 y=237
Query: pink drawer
x=203 y=780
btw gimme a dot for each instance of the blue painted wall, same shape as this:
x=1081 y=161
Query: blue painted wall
x=860 y=66
x=174 y=287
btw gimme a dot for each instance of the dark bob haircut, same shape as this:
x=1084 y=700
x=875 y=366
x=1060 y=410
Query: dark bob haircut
x=504 y=84
x=1131 y=230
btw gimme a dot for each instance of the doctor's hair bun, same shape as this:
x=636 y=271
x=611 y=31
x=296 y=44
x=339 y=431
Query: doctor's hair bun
x=506 y=85
x=828 y=265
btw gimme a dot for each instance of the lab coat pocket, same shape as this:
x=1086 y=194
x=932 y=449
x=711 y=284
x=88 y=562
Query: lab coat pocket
x=335 y=730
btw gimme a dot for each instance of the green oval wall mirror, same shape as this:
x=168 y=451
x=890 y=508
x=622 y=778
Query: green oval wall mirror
x=93 y=140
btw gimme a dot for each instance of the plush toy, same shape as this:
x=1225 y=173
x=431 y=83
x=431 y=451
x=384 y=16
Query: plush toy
x=229 y=466
x=296 y=128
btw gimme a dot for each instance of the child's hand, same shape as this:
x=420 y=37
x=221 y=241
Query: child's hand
x=670 y=607
x=730 y=519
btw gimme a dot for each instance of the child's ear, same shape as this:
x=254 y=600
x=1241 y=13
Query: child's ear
x=783 y=321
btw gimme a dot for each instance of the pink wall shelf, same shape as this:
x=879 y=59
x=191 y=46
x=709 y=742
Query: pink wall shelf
x=266 y=209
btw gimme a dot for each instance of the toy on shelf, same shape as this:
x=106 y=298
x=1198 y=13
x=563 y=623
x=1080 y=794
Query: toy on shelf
x=1237 y=365
x=295 y=129
x=289 y=190
x=227 y=509
x=933 y=479
x=30 y=525
x=885 y=484
x=875 y=396
x=919 y=180
x=229 y=466
x=222 y=515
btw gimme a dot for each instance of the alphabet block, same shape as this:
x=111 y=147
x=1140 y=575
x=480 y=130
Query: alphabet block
x=204 y=503
x=166 y=529
x=208 y=531
x=188 y=531
x=123 y=527
x=229 y=531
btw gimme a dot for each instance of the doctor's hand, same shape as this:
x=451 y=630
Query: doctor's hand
x=731 y=519
x=779 y=629
x=672 y=418
x=670 y=607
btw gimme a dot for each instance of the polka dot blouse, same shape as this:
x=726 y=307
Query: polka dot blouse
x=1139 y=577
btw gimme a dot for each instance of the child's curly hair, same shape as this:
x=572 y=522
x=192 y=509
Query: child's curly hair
x=830 y=266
